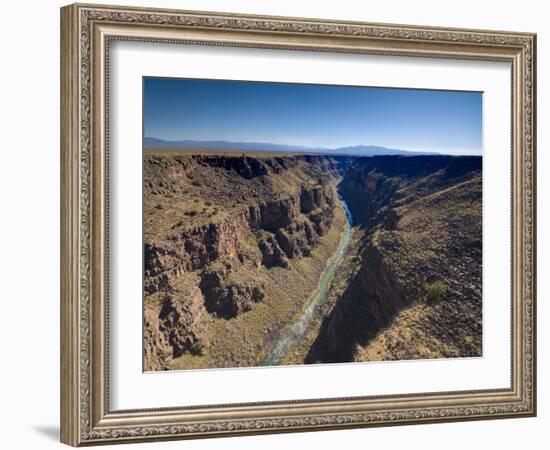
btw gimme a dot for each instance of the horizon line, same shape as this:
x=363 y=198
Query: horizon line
x=469 y=152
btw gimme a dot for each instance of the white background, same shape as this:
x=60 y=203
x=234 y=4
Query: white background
x=30 y=223
x=132 y=389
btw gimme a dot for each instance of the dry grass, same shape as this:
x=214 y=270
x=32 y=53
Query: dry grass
x=435 y=252
x=247 y=338
x=178 y=190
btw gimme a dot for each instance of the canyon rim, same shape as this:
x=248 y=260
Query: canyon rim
x=268 y=254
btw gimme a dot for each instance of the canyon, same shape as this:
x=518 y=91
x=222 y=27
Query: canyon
x=263 y=258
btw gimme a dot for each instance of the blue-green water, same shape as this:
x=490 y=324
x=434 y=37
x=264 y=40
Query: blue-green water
x=296 y=331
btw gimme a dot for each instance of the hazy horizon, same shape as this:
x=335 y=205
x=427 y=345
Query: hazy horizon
x=312 y=117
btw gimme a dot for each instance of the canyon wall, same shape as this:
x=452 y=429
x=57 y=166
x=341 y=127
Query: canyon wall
x=211 y=224
x=417 y=292
x=235 y=244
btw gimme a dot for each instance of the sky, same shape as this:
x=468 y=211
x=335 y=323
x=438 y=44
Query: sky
x=313 y=115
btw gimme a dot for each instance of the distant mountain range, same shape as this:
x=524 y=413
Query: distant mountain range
x=360 y=150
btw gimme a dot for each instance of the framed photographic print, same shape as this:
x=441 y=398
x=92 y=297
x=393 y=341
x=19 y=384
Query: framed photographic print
x=275 y=224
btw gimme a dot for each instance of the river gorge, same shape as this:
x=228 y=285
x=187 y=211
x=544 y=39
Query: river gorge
x=296 y=331
x=275 y=259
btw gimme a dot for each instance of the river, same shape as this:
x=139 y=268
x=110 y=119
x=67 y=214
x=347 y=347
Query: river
x=296 y=331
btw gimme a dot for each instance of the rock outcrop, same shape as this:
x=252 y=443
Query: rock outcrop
x=156 y=348
x=245 y=166
x=192 y=250
x=263 y=211
x=180 y=321
x=173 y=327
x=290 y=228
x=229 y=291
x=272 y=255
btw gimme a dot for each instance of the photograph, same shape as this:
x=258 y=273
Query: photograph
x=288 y=220
x=297 y=224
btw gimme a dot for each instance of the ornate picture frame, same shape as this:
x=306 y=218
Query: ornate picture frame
x=87 y=32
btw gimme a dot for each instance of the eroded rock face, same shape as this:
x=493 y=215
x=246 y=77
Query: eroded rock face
x=272 y=255
x=245 y=166
x=295 y=224
x=297 y=239
x=311 y=198
x=175 y=327
x=421 y=219
x=368 y=194
x=270 y=221
x=371 y=300
x=156 y=348
x=206 y=265
x=278 y=214
x=230 y=291
x=180 y=320
x=311 y=218
x=321 y=219
x=371 y=184
x=192 y=250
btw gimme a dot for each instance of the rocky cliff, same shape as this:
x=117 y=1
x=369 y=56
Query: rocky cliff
x=214 y=227
x=235 y=245
x=417 y=291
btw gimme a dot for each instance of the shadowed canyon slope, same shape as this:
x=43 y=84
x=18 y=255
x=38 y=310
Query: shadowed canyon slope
x=236 y=246
x=416 y=288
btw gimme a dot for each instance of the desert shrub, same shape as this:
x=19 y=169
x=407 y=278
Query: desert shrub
x=435 y=292
x=469 y=343
x=159 y=206
x=191 y=213
x=208 y=203
x=196 y=183
x=179 y=223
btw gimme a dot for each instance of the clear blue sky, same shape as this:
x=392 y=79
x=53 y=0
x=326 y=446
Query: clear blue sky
x=313 y=115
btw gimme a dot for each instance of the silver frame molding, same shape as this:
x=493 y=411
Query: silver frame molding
x=86 y=32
